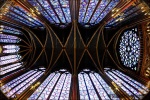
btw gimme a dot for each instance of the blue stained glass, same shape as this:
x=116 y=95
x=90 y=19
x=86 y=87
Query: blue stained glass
x=53 y=10
x=25 y=15
x=137 y=85
x=19 y=19
x=111 y=5
x=127 y=14
x=9 y=68
x=129 y=48
x=91 y=7
x=129 y=85
x=119 y=83
x=6 y=87
x=66 y=9
x=9 y=30
x=43 y=86
x=48 y=9
x=10 y=49
x=58 y=10
x=29 y=82
x=91 y=91
x=141 y=86
x=57 y=89
x=99 y=87
x=9 y=39
x=99 y=10
x=19 y=84
x=66 y=87
x=105 y=86
x=87 y=82
x=82 y=88
x=82 y=11
x=7 y=75
x=48 y=89
x=58 y=84
x=9 y=59
x=8 y=36
x=10 y=23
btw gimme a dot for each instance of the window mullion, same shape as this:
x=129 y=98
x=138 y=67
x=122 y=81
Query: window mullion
x=86 y=85
x=102 y=87
x=127 y=89
x=128 y=83
x=22 y=86
x=46 y=86
x=94 y=87
x=54 y=87
x=62 y=86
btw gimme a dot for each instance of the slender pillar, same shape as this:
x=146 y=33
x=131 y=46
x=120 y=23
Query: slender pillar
x=74 y=90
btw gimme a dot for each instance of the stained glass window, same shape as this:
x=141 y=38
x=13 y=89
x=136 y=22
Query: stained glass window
x=10 y=49
x=10 y=23
x=9 y=39
x=18 y=14
x=19 y=84
x=9 y=68
x=12 y=73
x=9 y=30
x=9 y=59
x=11 y=62
x=129 y=48
x=89 y=81
x=128 y=13
x=111 y=5
x=130 y=86
x=56 y=86
x=56 y=11
x=26 y=15
x=101 y=8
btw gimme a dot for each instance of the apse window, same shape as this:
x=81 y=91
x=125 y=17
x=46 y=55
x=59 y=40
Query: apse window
x=129 y=48
x=10 y=58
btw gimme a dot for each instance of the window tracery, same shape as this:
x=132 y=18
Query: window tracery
x=130 y=86
x=19 y=84
x=129 y=48
x=92 y=86
x=56 y=86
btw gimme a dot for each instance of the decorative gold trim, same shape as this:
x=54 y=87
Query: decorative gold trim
x=97 y=42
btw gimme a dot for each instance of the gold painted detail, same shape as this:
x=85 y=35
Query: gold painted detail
x=147 y=61
x=5 y=8
x=33 y=87
x=1 y=49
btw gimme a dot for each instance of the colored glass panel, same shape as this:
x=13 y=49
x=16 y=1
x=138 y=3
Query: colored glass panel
x=55 y=86
x=129 y=48
x=9 y=39
x=19 y=84
x=92 y=86
x=129 y=85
